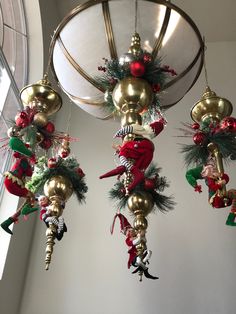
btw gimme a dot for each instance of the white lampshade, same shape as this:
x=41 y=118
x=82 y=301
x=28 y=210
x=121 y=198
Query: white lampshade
x=103 y=29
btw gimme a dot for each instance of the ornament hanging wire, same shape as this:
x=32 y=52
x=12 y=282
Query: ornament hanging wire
x=204 y=62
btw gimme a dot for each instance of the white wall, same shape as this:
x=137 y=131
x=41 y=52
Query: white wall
x=193 y=250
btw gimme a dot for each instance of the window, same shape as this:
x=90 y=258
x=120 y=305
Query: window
x=13 y=77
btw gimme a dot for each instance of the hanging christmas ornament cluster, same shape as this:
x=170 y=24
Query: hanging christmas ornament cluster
x=146 y=197
x=133 y=83
x=32 y=124
x=30 y=174
x=55 y=179
x=214 y=141
x=138 y=69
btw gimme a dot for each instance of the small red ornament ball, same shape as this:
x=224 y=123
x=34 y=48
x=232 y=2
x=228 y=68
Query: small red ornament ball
x=195 y=126
x=46 y=143
x=137 y=68
x=64 y=153
x=22 y=119
x=49 y=127
x=156 y=87
x=52 y=163
x=80 y=172
x=228 y=124
x=149 y=184
x=199 y=138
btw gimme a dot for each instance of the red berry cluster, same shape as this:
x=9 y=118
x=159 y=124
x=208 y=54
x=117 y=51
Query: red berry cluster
x=226 y=125
x=45 y=130
x=167 y=69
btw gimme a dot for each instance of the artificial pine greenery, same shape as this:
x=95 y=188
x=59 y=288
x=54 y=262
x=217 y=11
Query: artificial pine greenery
x=65 y=167
x=113 y=72
x=198 y=154
x=162 y=202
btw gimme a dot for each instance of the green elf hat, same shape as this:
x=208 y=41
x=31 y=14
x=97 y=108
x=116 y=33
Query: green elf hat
x=18 y=145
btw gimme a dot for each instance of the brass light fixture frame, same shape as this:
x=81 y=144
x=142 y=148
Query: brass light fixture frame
x=112 y=46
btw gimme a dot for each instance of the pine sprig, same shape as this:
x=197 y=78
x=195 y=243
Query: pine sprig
x=162 y=202
x=198 y=154
x=113 y=72
x=65 y=167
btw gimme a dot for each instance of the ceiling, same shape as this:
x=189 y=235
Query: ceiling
x=214 y=18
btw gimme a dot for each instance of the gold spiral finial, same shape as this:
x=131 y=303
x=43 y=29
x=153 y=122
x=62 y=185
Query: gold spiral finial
x=135 y=47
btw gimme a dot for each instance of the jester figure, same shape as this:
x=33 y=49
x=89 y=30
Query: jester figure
x=217 y=196
x=135 y=155
x=133 y=239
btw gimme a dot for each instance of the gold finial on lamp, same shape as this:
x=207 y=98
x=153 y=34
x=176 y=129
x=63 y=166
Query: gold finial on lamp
x=211 y=106
x=135 y=47
x=131 y=96
x=42 y=97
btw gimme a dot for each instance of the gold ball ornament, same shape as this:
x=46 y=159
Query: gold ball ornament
x=14 y=131
x=140 y=203
x=40 y=119
x=140 y=222
x=39 y=137
x=58 y=186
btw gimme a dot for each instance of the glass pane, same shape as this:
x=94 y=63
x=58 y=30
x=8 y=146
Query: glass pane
x=4 y=85
x=4 y=151
x=13 y=15
x=11 y=107
x=19 y=16
x=20 y=73
x=15 y=51
x=9 y=47
x=7 y=13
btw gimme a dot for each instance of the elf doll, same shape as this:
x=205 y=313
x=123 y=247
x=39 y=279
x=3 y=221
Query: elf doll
x=132 y=240
x=15 y=184
x=215 y=182
x=46 y=216
x=136 y=153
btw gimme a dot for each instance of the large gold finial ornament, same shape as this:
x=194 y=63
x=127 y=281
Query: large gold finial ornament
x=58 y=189
x=140 y=205
x=131 y=96
x=211 y=106
x=42 y=97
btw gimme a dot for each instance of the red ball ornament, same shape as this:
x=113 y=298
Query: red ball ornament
x=52 y=163
x=80 y=172
x=137 y=68
x=149 y=184
x=228 y=124
x=22 y=119
x=195 y=126
x=64 y=153
x=46 y=143
x=156 y=87
x=49 y=127
x=199 y=138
